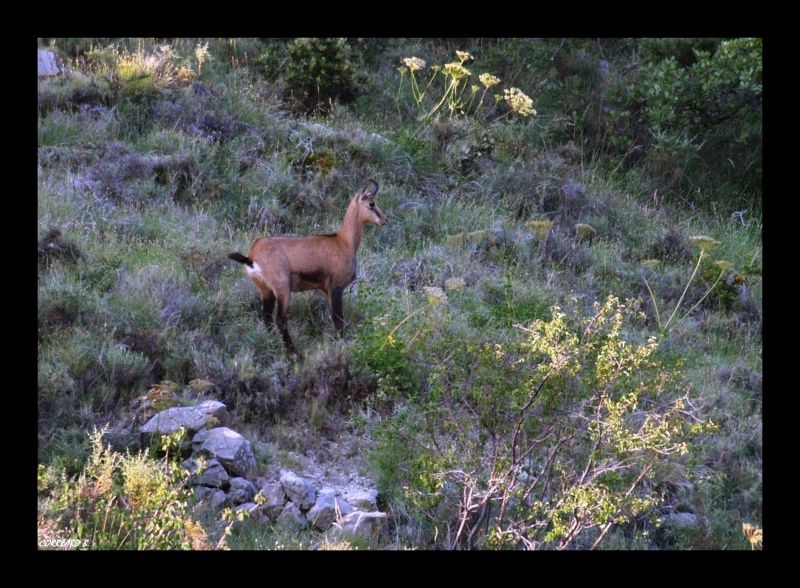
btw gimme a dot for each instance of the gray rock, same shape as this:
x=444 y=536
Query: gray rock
x=230 y=448
x=241 y=491
x=204 y=492
x=328 y=508
x=292 y=502
x=213 y=497
x=48 y=66
x=291 y=519
x=213 y=474
x=253 y=511
x=299 y=491
x=362 y=499
x=273 y=495
x=366 y=524
x=191 y=418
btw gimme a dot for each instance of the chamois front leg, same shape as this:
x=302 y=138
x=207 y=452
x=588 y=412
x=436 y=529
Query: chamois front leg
x=335 y=307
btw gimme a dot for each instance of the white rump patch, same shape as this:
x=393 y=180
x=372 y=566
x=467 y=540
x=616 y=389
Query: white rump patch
x=253 y=271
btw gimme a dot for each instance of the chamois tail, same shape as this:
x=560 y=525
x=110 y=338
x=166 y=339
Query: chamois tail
x=241 y=259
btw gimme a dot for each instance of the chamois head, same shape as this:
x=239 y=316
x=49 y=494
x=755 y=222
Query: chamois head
x=368 y=210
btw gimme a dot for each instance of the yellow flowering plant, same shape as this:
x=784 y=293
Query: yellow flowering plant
x=456 y=83
x=704 y=244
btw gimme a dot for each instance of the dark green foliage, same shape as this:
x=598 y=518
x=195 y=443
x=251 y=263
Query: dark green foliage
x=75 y=47
x=489 y=438
x=387 y=361
x=682 y=50
x=146 y=342
x=272 y=57
x=62 y=308
x=702 y=112
x=566 y=203
x=72 y=98
x=319 y=74
x=259 y=400
x=66 y=448
x=676 y=108
x=726 y=292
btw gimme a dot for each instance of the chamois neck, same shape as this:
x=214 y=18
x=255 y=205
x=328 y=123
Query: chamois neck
x=351 y=230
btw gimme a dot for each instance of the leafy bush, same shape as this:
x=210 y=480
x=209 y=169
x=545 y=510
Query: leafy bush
x=98 y=371
x=319 y=74
x=682 y=49
x=700 y=112
x=121 y=502
x=386 y=349
x=484 y=459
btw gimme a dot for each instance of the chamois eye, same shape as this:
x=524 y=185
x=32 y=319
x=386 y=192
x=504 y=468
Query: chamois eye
x=372 y=205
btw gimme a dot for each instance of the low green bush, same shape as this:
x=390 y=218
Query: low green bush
x=120 y=502
x=319 y=73
x=481 y=456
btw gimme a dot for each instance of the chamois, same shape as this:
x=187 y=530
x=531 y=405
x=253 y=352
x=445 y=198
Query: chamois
x=281 y=265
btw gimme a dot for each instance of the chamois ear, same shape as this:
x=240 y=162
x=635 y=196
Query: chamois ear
x=372 y=192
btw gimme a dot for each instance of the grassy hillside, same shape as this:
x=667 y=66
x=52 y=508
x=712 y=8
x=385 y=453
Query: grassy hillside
x=555 y=342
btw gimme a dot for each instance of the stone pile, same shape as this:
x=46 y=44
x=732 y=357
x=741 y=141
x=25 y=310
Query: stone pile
x=223 y=473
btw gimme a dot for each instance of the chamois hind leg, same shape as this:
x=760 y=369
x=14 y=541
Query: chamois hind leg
x=282 y=322
x=335 y=307
x=268 y=305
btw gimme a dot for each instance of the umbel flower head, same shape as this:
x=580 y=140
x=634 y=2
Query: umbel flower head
x=585 y=231
x=488 y=80
x=463 y=56
x=540 y=227
x=454 y=284
x=519 y=101
x=754 y=535
x=651 y=263
x=456 y=70
x=414 y=63
x=435 y=295
x=723 y=265
x=703 y=242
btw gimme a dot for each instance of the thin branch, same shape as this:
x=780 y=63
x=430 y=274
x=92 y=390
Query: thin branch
x=552 y=57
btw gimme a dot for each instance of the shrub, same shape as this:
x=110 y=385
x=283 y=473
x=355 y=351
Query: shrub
x=701 y=116
x=142 y=75
x=121 y=502
x=682 y=50
x=386 y=348
x=319 y=74
x=83 y=367
x=548 y=442
x=63 y=304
